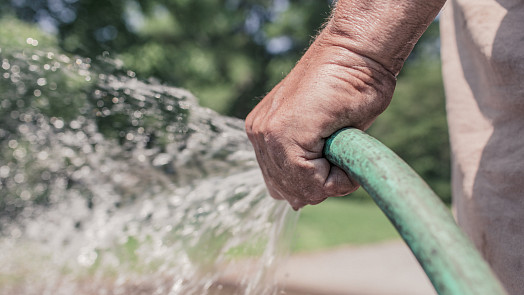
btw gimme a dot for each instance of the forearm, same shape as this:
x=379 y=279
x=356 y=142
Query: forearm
x=385 y=31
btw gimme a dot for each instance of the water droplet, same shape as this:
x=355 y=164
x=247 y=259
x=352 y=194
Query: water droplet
x=19 y=153
x=4 y=171
x=14 y=115
x=161 y=159
x=64 y=58
x=37 y=92
x=25 y=195
x=19 y=178
x=15 y=69
x=87 y=257
x=12 y=144
x=23 y=128
x=74 y=124
x=45 y=175
x=5 y=65
x=41 y=81
x=43 y=155
x=59 y=124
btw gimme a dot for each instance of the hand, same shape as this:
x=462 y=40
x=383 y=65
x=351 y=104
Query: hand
x=331 y=87
x=345 y=79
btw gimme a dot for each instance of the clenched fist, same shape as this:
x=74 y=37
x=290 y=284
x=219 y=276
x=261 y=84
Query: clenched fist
x=330 y=88
x=345 y=79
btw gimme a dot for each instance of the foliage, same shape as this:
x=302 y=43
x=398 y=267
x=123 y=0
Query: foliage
x=11 y=31
x=227 y=52
x=415 y=127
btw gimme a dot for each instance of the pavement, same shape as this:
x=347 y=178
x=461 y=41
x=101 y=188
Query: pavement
x=379 y=269
x=386 y=268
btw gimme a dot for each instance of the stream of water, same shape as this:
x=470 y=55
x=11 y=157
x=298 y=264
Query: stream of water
x=114 y=185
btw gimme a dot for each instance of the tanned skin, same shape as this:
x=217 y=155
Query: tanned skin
x=345 y=79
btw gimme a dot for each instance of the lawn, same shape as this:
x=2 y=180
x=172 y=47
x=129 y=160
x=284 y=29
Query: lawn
x=341 y=221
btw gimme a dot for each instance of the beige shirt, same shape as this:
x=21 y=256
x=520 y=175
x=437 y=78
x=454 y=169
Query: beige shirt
x=483 y=68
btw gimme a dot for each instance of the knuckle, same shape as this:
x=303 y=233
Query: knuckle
x=249 y=124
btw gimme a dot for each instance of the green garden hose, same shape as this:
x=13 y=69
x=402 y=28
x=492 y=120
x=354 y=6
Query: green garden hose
x=449 y=259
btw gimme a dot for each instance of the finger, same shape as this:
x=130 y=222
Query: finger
x=296 y=203
x=338 y=183
x=316 y=188
x=271 y=188
x=317 y=201
x=274 y=193
x=262 y=159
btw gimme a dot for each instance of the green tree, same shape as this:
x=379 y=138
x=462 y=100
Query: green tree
x=227 y=52
x=415 y=127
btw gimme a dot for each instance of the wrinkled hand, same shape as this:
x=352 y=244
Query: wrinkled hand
x=331 y=87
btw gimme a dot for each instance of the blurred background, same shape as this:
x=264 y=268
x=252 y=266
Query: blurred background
x=229 y=53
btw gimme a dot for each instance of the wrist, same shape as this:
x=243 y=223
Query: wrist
x=340 y=53
x=381 y=30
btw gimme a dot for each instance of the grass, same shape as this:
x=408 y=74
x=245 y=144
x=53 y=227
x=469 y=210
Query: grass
x=342 y=221
x=353 y=220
